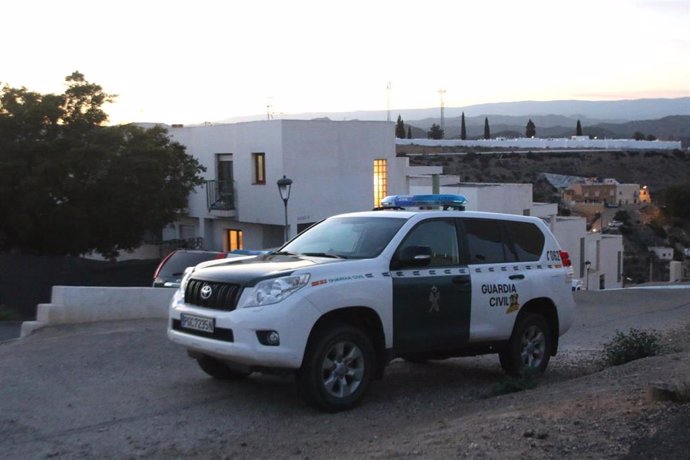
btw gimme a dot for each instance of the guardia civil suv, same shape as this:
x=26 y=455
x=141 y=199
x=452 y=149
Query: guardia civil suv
x=341 y=300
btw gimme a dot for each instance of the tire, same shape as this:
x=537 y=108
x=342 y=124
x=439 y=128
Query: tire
x=338 y=368
x=529 y=348
x=219 y=370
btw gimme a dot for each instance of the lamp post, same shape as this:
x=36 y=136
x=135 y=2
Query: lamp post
x=284 y=186
x=588 y=264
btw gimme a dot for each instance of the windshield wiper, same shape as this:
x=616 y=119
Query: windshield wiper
x=282 y=253
x=323 y=254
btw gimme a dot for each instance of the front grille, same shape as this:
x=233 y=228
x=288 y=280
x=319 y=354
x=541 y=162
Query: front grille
x=223 y=296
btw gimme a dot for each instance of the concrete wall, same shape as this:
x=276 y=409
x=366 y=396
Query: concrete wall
x=78 y=304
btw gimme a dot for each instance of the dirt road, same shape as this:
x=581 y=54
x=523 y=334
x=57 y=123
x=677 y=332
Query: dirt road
x=121 y=389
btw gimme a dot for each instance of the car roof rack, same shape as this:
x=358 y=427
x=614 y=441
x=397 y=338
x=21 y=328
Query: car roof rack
x=423 y=202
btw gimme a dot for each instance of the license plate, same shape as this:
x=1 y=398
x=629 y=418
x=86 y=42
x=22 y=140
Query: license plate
x=198 y=323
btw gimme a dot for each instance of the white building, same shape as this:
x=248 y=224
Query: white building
x=335 y=167
x=340 y=167
x=662 y=252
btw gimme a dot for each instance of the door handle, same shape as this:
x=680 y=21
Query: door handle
x=461 y=280
x=517 y=277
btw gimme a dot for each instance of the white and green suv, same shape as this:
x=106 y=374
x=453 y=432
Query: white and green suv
x=341 y=300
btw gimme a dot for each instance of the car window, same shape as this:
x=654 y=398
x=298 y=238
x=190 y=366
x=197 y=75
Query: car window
x=527 y=239
x=350 y=237
x=485 y=243
x=440 y=236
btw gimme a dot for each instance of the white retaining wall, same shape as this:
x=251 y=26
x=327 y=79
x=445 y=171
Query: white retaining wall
x=78 y=304
x=539 y=143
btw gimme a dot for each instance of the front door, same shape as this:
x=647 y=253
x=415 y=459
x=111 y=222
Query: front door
x=431 y=304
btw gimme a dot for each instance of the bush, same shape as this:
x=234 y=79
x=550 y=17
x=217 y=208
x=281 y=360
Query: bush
x=636 y=344
x=7 y=314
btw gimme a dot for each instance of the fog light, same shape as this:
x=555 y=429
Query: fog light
x=269 y=338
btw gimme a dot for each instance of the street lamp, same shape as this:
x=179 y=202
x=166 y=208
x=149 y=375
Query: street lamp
x=284 y=186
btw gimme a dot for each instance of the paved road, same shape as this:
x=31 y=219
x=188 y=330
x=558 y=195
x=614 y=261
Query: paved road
x=10 y=330
x=122 y=389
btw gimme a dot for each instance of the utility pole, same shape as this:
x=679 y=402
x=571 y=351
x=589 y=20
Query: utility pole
x=442 y=92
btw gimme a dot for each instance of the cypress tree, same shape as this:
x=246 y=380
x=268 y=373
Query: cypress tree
x=400 y=128
x=487 y=131
x=463 y=130
x=578 y=129
x=530 y=129
x=409 y=132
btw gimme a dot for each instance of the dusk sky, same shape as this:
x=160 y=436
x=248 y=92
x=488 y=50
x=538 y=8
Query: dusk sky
x=203 y=60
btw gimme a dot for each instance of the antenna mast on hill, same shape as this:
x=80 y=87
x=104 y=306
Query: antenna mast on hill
x=388 y=101
x=442 y=92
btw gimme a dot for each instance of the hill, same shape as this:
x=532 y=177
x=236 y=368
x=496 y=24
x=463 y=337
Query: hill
x=647 y=226
x=587 y=111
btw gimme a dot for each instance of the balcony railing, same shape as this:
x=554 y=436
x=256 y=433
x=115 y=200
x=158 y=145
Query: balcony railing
x=220 y=195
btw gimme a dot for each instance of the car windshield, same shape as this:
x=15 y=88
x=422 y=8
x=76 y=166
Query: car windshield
x=346 y=237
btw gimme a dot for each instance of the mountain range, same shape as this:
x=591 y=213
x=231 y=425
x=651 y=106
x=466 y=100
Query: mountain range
x=666 y=119
x=587 y=111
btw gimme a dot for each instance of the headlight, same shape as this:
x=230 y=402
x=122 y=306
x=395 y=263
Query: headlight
x=185 y=279
x=274 y=290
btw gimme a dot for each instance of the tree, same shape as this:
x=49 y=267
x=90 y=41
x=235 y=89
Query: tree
x=578 y=129
x=463 y=129
x=530 y=129
x=487 y=131
x=435 y=132
x=400 y=128
x=409 y=132
x=70 y=185
x=676 y=201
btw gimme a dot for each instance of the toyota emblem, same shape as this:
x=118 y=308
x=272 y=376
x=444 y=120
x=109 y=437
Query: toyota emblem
x=206 y=292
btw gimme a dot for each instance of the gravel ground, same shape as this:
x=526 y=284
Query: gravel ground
x=121 y=389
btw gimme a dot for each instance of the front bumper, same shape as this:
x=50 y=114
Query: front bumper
x=293 y=319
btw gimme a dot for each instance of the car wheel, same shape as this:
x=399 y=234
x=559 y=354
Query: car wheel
x=219 y=370
x=337 y=369
x=529 y=348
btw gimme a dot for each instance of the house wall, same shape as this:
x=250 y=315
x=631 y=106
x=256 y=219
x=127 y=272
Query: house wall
x=571 y=234
x=505 y=198
x=330 y=164
x=628 y=193
x=604 y=252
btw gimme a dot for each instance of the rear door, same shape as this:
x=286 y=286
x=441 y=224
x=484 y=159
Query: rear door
x=431 y=304
x=501 y=280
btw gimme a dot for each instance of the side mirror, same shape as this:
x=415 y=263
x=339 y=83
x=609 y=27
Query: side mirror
x=414 y=256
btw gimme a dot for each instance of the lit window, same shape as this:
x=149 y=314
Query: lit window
x=234 y=240
x=259 y=168
x=380 y=181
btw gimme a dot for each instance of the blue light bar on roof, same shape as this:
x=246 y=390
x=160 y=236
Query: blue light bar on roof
x=424 y=201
